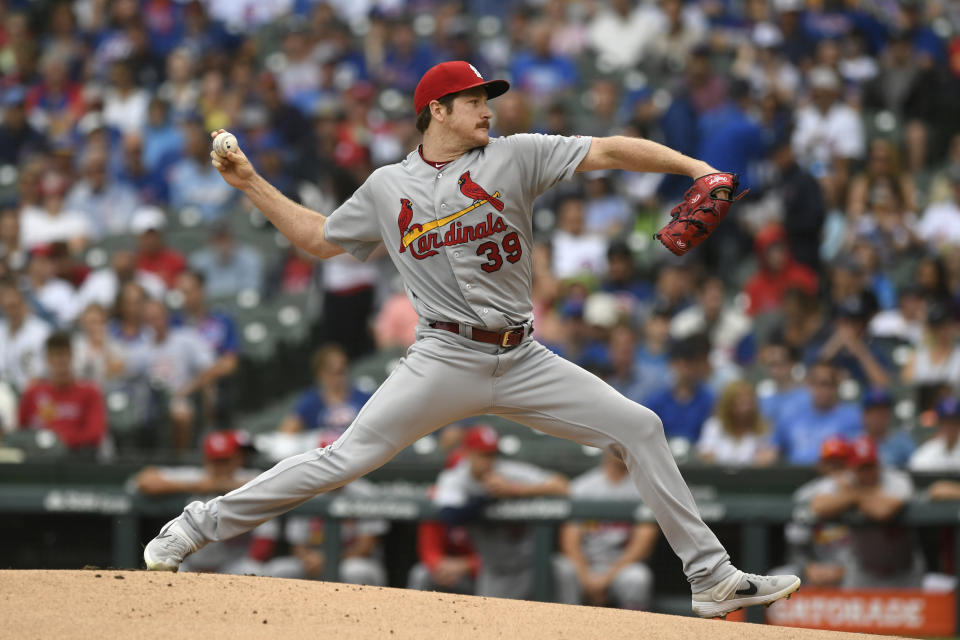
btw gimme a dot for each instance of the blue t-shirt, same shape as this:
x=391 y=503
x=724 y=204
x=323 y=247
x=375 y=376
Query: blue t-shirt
x=682 y=419
x=771 y=406
x=314 y=413
x=218 y=329
x=895 y=450
x=802 y=428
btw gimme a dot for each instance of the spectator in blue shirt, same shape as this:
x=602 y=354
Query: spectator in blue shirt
x=729 y=137
x=406 y=60
x=218 y=330
x=333 y=403
x=539 y=72
x=779 y=389
x=194 y=182
x=227 y=268
x=162 y=140
x=687 y=403
x=815 y=416
x=894 y=446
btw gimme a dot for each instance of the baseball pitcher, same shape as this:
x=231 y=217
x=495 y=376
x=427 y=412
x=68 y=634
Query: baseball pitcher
x=455 y=218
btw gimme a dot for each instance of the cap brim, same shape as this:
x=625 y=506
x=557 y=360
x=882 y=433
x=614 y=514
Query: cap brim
x=494 y=88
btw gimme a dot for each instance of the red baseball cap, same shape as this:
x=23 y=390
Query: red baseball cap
x=481 y=438
x=220 y=444
x=862 y=452
x=452 y=77
x=835 y=448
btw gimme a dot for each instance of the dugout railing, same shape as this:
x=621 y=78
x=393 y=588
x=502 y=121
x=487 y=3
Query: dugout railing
x=754 y=514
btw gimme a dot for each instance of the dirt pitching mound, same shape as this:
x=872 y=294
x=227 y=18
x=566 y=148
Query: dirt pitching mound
x=138 y=604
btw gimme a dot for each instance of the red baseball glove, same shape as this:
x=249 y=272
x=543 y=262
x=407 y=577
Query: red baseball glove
x=704 y=205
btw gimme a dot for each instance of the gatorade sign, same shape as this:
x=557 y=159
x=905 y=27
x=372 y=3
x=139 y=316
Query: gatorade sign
x=891 y=612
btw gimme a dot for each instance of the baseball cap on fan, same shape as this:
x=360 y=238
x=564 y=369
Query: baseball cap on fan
x=481 y=438
x=453 y=77
x=219 y=445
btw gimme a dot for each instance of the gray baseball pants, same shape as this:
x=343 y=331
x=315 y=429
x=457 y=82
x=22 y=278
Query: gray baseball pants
x=445 y=378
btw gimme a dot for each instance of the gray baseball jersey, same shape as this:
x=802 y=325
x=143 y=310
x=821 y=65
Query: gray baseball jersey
x=461 y=237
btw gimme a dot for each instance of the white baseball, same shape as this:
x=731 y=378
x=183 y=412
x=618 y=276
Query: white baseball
x=224 y=143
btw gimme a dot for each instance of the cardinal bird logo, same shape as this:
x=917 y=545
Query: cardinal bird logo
x=405 y=217
x=477 y=193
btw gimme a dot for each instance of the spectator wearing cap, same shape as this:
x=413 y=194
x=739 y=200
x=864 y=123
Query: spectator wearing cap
x=194 y=182
x=18 y=138
x=53 y=219
x=71 y=408
x=332 y=404
x=814 y=416
x=227 y=267
x=54 y=298
x=829 y=134
x=686 y=403
x=894 y=445
x=602 y=563
x=22 y=337
x=819 y=549
x=623 y=281
x=882 y=554
x=736 y=433
x=223 y=471
x=936 y=361
x=153 y=255
x=108 y=204
x=849 y=347
x=778 y=271
x=941 y=453
x=506 y=551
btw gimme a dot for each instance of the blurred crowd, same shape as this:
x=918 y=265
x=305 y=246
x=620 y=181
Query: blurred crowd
x=826 y=305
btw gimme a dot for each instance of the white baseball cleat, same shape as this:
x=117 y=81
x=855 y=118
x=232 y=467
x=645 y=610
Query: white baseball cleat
x=743 y=590
x=169 y=548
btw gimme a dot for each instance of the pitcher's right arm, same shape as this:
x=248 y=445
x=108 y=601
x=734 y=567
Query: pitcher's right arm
x=303 y=227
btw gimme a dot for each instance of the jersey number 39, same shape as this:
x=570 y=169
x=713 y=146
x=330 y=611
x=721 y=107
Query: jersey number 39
x=490 y=249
